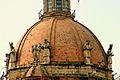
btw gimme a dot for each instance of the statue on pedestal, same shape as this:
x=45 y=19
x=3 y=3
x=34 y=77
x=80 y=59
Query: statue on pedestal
x=109 y=56
x=42 y=50
x=12 y=56
x=36 y=49
x=46 y=51
x=87 y=51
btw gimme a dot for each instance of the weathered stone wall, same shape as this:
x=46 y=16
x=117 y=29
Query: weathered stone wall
x=14 y=74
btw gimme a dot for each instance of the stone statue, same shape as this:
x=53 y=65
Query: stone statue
x=109 y=56
x=87 y=51
x=12 y=61
x=39 y=47
x=42 y=50
x=46 y=53
x=11 y=46
x=36 y=53
x=12 y=56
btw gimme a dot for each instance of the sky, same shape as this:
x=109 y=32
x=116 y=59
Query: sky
x=102 y=17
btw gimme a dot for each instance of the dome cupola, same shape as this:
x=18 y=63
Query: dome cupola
x=56 y=8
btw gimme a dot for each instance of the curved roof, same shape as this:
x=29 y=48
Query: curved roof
x=66 y=37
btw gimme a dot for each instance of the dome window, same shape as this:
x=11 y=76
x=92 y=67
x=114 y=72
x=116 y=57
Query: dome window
x=49 y=5
x=66 y=5
x=59 y=5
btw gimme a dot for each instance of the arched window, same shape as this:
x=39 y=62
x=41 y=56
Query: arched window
x=66 y=5
x=59 y=5
x=49 y=5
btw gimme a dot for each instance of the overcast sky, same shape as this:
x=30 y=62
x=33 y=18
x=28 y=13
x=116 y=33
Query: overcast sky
x=102 y=17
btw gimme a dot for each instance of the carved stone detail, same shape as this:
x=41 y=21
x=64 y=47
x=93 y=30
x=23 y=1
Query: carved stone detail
x=87 y=51
x=109 y=56
x=46 y=51
x=11 y=46
x=41 y=49
x=11 y=59
x=36 y=49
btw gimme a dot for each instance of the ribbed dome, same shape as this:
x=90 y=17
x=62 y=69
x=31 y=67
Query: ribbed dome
x=66 y=37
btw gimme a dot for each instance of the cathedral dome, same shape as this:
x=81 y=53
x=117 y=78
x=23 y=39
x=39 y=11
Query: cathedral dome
x=67 y=38
x=58 y=48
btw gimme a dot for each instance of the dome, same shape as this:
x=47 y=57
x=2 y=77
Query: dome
x=67 y=38
x=58 y=48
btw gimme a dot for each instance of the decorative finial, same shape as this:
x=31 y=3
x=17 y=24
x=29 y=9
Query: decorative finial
x=40 y=14
x=110 y=49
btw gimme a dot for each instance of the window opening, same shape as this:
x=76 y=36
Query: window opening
x=49 y=5
x=59 y=5
x=66 y=5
